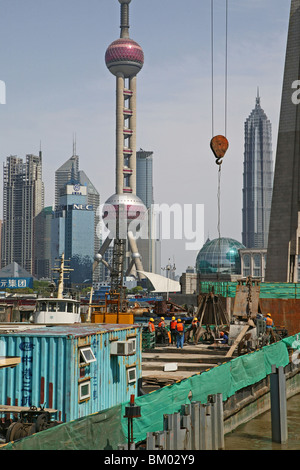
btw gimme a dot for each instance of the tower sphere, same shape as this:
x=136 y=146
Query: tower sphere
x=130 y=207
x=124 y=56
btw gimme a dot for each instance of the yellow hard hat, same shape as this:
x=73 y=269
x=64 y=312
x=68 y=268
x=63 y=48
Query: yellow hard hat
x=268 y=314
x=151 y=319
x=178 y=319
x=195 y=318
x=173 y=318
x=162 y=318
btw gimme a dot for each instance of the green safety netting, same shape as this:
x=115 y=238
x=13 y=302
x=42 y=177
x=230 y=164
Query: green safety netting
x=108 y=428
x=227 y=379
x=99 y=431
x=268 y=290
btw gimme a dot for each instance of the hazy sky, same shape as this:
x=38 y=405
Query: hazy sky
x=52 y=61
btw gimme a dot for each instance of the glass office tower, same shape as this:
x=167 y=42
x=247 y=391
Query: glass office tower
x=149 y=249
x=72 y=232
x=257 y=179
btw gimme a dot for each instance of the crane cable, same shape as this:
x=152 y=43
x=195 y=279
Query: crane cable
x=219 y=161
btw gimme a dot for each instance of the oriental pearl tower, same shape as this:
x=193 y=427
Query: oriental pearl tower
x=124 y=58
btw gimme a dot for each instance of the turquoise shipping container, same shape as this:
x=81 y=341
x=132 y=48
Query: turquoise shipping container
x=76 y=369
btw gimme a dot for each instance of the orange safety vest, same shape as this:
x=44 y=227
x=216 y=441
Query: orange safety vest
x=179 y=327
x=269 y=321
x=173 y=324
x=161 y=323
x=169 y=336
x=151 y=326
x=194 y=322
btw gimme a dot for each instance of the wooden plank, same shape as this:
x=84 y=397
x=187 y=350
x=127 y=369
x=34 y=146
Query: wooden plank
x=18 y=409
x=9 y=361
x=237 y=340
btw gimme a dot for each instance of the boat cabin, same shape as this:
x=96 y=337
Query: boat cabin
x=54 y=310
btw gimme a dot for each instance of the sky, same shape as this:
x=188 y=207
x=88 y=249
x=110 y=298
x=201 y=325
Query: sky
x=57 y=85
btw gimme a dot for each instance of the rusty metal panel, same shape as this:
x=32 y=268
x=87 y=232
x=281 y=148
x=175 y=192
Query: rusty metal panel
x=241 y=307
x=285 y=313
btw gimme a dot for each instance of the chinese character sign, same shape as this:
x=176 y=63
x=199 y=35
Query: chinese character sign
x=26 y=385
x=16 y=282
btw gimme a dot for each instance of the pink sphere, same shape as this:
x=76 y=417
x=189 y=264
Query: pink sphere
x=130 y=209
x=124 y=56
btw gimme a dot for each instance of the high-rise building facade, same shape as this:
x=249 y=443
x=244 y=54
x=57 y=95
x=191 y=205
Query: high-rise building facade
x=284 y=234
x=72 y=232
x=149 y=248
x=42 y=246
x=66 y=172
x=69 y=171
x=257 y=178
x=23 y=200
x=144 y=177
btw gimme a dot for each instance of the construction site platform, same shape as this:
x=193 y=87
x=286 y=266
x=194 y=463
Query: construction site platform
x=167 y=364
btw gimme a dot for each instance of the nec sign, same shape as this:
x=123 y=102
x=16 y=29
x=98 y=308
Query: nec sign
x=83 y=207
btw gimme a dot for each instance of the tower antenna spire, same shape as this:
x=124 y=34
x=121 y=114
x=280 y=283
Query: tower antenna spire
x=74 y=145
x=124 y=18
x=257 y=96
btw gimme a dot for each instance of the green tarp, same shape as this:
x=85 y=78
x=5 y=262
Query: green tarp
x=107 y=429
x=268 y=290
x=99 y=431
x=227 y=379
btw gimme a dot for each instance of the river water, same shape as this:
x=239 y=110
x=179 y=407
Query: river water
x=257 y=433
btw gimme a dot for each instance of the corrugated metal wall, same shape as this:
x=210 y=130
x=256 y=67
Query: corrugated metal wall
x=49 y=372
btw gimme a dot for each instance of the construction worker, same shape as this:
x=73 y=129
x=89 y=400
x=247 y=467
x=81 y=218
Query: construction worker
x=224 y=337
x=195 y=324
x=151 y=326
x=179 y=333
x=269 y=321
x=173 y=324
x=161 y=332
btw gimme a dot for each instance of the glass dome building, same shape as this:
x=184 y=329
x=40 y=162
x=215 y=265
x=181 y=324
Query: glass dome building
x=222 y=253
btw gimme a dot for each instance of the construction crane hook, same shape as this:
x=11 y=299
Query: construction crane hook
x=219 y=145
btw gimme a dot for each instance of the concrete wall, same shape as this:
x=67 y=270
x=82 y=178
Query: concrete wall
x=254 y=400
x=184 y=299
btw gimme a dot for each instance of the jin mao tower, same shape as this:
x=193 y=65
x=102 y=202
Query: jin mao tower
x=258 y=178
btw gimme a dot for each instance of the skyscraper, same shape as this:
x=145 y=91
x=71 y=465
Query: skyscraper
x=72 y=232
x=23 y=200
x=67 y=172
x=150 y=247
x=93 y=199
x=144 y=177
x=284 y=233
x=42 y=246
x=257 y=178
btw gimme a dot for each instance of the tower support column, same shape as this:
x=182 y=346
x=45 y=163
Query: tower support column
x=119 y=133
x=132 y=84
